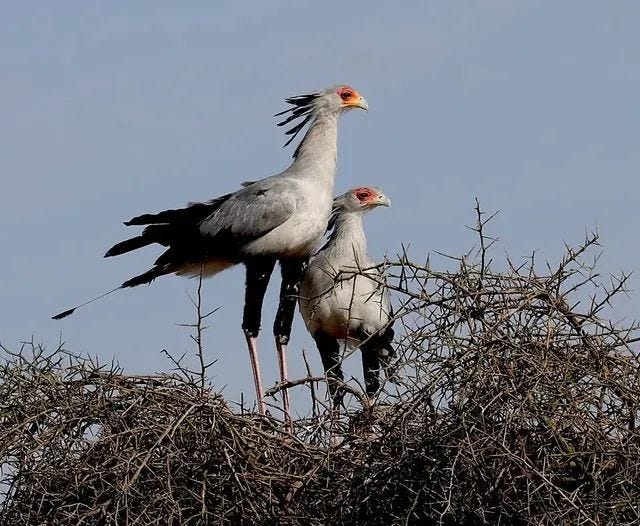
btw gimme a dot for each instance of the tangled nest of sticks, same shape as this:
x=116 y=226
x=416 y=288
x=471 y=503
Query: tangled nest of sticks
x=518 y=403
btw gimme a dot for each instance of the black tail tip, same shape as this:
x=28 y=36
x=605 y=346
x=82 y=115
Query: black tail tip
x=63 y=314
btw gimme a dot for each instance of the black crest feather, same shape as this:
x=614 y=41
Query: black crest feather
x=302 y=108
x=330 y=232
x=335 y=212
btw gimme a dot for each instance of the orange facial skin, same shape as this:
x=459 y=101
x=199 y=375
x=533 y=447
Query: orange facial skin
x=351 y=98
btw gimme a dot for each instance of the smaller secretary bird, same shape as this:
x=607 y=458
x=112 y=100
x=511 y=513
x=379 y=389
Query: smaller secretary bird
x=339 y=303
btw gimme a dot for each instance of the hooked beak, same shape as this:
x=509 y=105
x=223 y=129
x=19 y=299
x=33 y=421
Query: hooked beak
x=360 y=103
x=356 y=102
x=383 y=200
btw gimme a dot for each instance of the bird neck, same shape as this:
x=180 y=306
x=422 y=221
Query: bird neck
x=347 y=241
x=316 y=155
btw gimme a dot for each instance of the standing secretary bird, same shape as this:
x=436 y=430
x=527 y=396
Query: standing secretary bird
x=280 y=218
x=340 y=303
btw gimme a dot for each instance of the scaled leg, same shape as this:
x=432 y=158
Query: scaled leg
x=258 y=274
x=293 y=271
x=329 y=349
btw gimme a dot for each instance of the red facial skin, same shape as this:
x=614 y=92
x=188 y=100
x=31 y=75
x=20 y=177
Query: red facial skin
x=347 y=94
x=364 y=194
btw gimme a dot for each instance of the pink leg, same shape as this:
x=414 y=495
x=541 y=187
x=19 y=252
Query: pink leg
x=257 y=377
x=282 y=361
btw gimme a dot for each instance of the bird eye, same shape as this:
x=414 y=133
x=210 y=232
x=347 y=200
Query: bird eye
x=362 y=195
x=346 y=95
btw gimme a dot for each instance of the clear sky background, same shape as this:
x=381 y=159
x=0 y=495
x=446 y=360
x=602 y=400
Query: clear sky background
x=112 y=109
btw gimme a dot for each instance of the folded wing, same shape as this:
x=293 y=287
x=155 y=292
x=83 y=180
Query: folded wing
x=203 y=233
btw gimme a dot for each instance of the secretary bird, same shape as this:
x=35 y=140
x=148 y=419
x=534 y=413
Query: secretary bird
x=279 y=218
x=340 y=304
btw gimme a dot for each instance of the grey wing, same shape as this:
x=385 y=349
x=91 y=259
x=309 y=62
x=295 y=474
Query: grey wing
x=252 y=212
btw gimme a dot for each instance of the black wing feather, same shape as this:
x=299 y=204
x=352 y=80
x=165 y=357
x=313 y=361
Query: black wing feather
x=188 y=214
x=128 y=245
x=167 y=226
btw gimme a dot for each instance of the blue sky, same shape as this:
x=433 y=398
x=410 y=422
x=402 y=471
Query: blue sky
x=109 y=110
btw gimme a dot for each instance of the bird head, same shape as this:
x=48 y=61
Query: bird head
x=338 y=99
x=331 y=101
x=342 y=98
x=363 y=198
x=356 y=201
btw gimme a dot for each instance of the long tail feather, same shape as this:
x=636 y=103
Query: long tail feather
x=145 y=277
x=70 y=311
x=148 y=276
x=165 y=228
